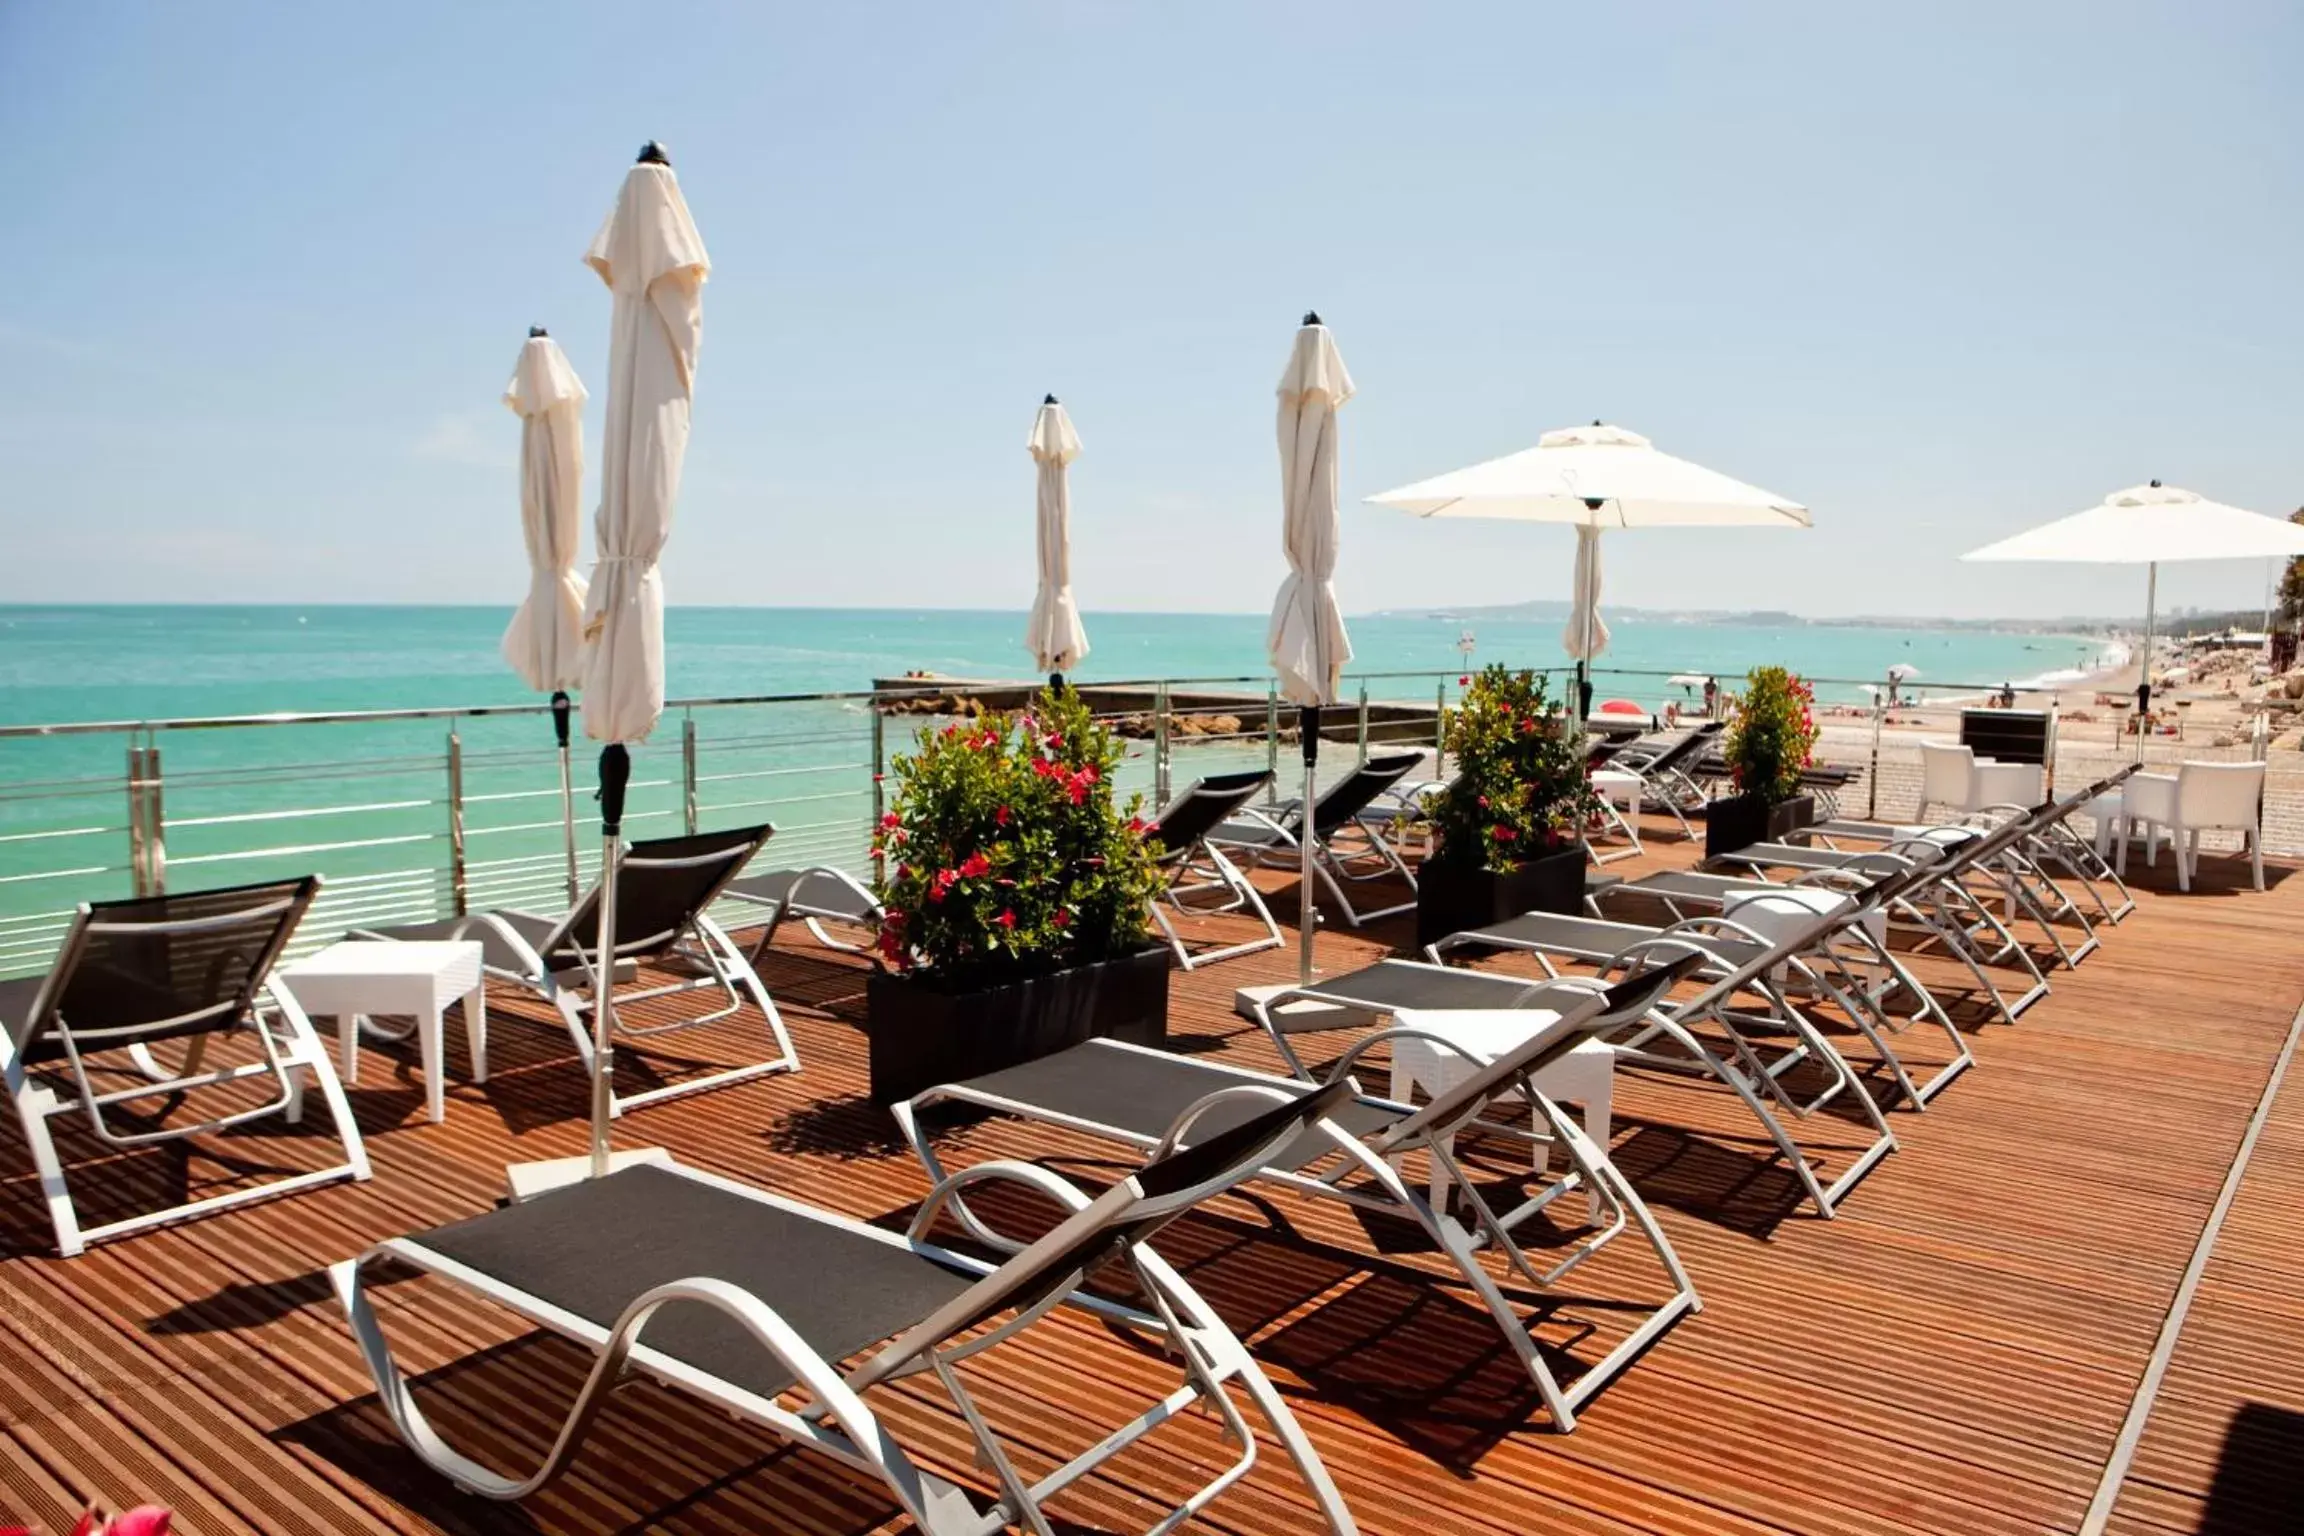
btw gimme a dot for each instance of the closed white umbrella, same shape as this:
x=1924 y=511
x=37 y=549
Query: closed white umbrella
x=1307 y=642
x=544 y=642
x=1587 y=633
x=653 y=261
x=1054 y=635
x=1596 y=477
x=2147 y=525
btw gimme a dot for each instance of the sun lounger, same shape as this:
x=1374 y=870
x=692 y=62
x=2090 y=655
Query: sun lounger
x=1661 y=761
x=664 y=887
x=184 y=968
x=818 y=895
x=1345 y=850
x=1192 y=867
x=787 y=1316
x=1864 y=970
x=1732 y=964
x=1145 y=1098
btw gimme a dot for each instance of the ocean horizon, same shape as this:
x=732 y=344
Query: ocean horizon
x=68 y=663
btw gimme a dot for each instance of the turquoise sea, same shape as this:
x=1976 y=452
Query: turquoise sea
x=143 y=663
x=378 y=808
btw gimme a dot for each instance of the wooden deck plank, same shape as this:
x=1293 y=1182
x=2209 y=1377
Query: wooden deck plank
x=1953 y=1354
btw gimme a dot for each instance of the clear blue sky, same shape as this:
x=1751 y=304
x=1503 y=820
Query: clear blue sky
x=1939 y=271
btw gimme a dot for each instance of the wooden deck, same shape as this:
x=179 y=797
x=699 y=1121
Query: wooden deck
x=1955 y=1353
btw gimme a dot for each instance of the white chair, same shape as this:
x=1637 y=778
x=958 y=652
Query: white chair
x=2196 y=798
x=1954 y=776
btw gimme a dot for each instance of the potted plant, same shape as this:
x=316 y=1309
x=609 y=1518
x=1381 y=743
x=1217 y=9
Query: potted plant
x=1770 y=742
x=1017 y=896
x=1510 y=824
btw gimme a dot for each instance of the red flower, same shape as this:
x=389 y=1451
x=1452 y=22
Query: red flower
x=891 y=820
x=1506 y=835
x=1483 y=802
x=975 y=867
x=1464 y=682
x=1000 y=817
x=1061 y=918
x=942 y=883
x=903 y=871
x=1006 y=919
x=1138 y=826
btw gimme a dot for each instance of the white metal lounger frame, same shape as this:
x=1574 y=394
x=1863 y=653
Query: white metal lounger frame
x=1280 y=826
x=1935 y=903
x=814 y=914
x=1843 y=948
x=1378 y=1161
x=1754 y=1077
x=831 y=1415
x=572 y=993
x=1755 y=1084
x=1661 y=769
x=291 y=1046
x=1199 y=868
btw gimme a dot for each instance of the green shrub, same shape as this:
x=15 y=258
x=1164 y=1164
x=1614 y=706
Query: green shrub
x=1773 y=736
x=1521 y=789
x=1005 y=854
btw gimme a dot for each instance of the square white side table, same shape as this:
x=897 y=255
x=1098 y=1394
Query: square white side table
x=359 y=977
x=1586 y=1075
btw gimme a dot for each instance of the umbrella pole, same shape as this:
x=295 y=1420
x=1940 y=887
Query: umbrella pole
x=615 y=772
x=1307 y=905
x=567 y=793
x=2144 y=675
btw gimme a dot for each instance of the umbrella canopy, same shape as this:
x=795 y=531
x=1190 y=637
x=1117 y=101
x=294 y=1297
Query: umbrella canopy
x=543 y=643
x=1594 y=478
x=1307 y=642
x=2149 y=524
x=653 y=261
x=1599 y=476
x=1053 y=635
x=2146 y=525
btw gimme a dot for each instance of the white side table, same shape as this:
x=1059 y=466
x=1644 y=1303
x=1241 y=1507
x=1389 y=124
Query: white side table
x=359 y=977
x=1586 y=1075
x=1621 y=786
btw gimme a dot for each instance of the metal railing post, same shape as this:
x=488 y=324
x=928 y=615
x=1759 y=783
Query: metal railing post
x=1160 y=745
x=1363 y=725
x=879 y=787
x=688 y=771
x=459 y=886
x=155 y=824
x=138 y=869
x=1440 y=729
x=1872 y=785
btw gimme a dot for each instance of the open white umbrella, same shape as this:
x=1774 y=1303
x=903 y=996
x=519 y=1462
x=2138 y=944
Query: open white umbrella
x=2147 y=525
x=653 y=261
x=544 y=642
x=1054 y=635
x=1307 y=643
x=1595 y=478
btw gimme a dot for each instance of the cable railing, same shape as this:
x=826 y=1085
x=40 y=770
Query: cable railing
x=413 y=814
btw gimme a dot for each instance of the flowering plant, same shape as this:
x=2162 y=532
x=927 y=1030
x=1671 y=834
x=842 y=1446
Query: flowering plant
x=1005 y=852
x=144 y=1520
x=1521 y=790
x=1774 y=734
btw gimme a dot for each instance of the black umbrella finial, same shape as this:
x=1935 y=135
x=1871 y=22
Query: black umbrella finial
x=1311 y=317
x=1594 y=503
x=1048 y=400
x=535 y=331
x=2155 y=485
x=652 y=153
x=1596 y=421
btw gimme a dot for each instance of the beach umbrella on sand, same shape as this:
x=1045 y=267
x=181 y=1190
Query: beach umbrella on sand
x=653 y=261
x=1054 y=635
x=2147 y=525
x=1307 y=643
x=544 y=642
x=1595 y=478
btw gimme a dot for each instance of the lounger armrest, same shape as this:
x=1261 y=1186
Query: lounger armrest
x=948 y=1190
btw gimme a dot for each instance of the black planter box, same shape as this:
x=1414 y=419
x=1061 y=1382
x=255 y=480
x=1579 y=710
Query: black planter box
x=1739 y=821
x=1451 y=899
x=923 y=1035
